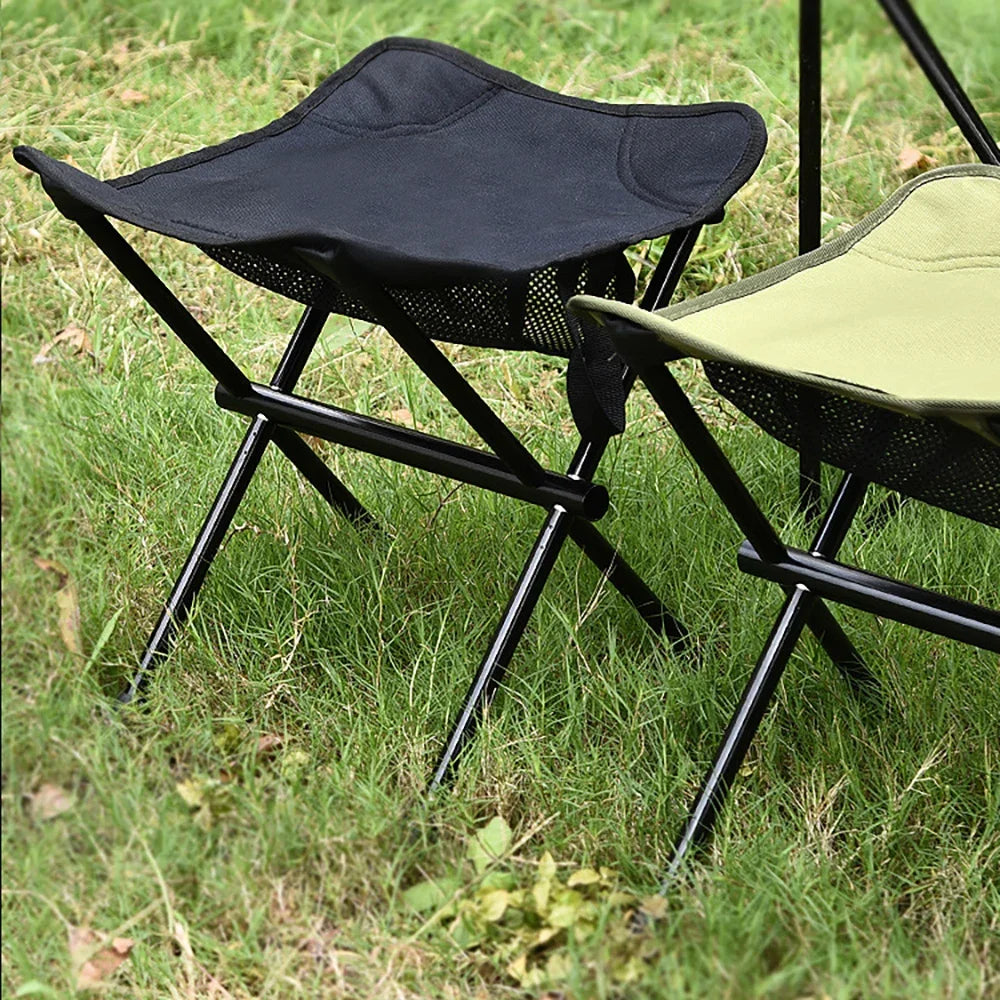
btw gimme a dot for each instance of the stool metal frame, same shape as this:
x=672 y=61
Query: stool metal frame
x=808 y=577
x=573 y=501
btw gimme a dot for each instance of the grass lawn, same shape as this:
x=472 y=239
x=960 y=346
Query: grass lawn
x=259 y=828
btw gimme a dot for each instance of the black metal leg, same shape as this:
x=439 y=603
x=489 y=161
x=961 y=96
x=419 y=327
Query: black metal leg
x=220 y=516
x=627 y=582
x=315 y=470
x=558 y=525
x=937 y=71
x=841 y=651
x=846 y=502
x=810 y=464
x=810 y=125
x=741 y=505
x=491 y=671
x=810 y=203
x=736 y=742
x=141 y=277
x=508 y=634
x=801 y=607
x=260 y=433
x=206 y=545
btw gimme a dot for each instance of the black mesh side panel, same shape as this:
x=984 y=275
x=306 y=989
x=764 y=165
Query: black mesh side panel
x=931 y=460
x=528 y=315
x=293 y=282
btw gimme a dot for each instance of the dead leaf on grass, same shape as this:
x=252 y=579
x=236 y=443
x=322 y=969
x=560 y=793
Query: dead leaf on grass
x=655 y=907
x=50 y=801
x=401 y=415
x=129 y=96
x=119 y=54
x=94 y=957
x=269 y=744
x=69 y=618
x=82 y=941
x=73 y=334
x=68 y=604
x=912 y=158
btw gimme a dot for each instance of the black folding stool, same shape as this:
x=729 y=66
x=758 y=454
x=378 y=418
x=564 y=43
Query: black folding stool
x=447 y=200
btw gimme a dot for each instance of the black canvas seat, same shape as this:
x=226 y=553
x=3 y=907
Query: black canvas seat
x=447 y=200
x=436 y=171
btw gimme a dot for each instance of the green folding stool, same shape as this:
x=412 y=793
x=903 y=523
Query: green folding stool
x=883 y=346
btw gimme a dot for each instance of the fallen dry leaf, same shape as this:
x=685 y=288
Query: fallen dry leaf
x=51 y=566
x=76 y=336
x=655 y=907
x=119 y=54
x=95 y=958
x=913 y=159
x=192 y=792
x=69 y=618
x=50 y=801
x=68 y=604
x=104 y=963
x=128 y=96
x=268 y=744
x=82 y=941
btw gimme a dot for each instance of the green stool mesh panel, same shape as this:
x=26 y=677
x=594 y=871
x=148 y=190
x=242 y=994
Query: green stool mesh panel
x=931 y=460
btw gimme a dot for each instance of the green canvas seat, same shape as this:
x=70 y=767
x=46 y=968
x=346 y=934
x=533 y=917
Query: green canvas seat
x=881 y=350
x=916 y=325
